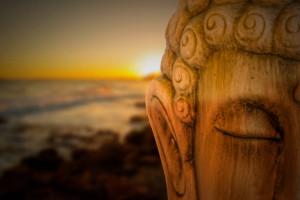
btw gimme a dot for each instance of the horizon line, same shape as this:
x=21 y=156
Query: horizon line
x=78 y=79
x=149 y=76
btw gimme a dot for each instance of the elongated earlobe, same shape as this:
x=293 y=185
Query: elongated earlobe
x=172 y=138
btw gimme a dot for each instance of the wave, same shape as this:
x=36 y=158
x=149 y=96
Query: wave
x=21 y=98
x=32 y=109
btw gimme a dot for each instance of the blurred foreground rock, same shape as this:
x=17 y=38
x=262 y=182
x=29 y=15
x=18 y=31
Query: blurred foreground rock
x=3 y=120
x=116 y=171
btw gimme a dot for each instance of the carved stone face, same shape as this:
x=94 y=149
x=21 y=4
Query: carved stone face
x=226 y=112
x=247 y=128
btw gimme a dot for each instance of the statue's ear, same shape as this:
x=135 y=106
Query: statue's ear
x=172 y=138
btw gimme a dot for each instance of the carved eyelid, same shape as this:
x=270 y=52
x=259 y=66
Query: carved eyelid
x=248 y=121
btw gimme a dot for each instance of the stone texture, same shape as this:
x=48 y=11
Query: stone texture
x=226 y=112
x=195 y=6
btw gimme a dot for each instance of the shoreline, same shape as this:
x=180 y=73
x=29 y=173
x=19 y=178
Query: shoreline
x=19 y=140
x=115 y=166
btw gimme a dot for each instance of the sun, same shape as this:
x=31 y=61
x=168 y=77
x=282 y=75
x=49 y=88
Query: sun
x=150 y=64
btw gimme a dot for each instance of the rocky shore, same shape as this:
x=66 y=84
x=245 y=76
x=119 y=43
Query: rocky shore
x=125 y=170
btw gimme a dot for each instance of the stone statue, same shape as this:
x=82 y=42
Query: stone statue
x=226 y=111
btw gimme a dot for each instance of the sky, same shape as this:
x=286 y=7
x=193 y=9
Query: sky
x=82 y=39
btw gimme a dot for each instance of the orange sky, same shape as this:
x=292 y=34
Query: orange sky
x=82 y=39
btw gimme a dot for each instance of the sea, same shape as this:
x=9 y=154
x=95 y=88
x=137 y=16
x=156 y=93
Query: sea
x=66 y=114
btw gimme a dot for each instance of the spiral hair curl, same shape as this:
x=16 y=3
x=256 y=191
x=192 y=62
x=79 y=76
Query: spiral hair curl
x=201 y=27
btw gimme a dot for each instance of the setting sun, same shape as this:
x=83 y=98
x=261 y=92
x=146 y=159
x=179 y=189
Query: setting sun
x=150 y=64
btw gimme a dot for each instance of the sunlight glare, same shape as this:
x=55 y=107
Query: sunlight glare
x=150 y=64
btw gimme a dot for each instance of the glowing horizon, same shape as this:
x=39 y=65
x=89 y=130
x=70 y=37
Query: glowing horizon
x=98 y=39
x=145 y=66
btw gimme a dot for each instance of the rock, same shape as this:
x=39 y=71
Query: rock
x=114 y=171
x=47 y=159
x=141 y=104
x=3 y=121
x=138 y=119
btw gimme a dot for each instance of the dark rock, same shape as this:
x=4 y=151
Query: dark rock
x=142 y=138
x=23 y=127
x=47 y=159
x=115 y=171
x=3 y=120
x=141 y=104
x=138 y=119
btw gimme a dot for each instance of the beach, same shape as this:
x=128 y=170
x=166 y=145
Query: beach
x=92 y=137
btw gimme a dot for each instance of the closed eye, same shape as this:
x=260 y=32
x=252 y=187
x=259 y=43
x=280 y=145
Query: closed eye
x=248 y=121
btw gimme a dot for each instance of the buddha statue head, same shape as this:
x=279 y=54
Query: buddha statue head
x=226 y=111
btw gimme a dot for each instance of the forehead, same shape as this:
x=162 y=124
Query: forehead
x=240 y=74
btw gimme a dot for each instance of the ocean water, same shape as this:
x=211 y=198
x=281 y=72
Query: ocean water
x=65 y=115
